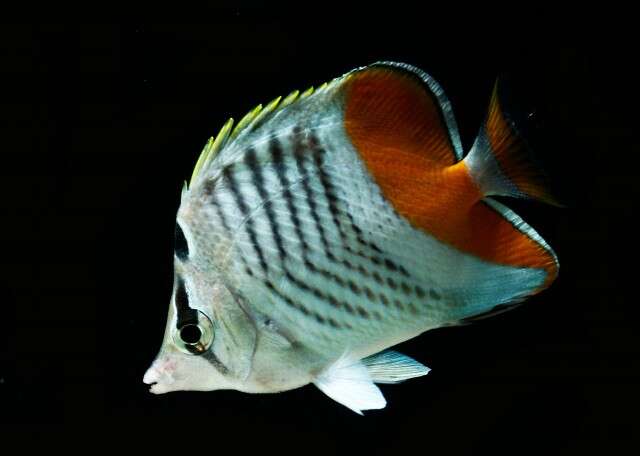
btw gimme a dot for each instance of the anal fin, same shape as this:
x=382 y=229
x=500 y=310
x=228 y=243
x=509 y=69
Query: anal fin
x=390 y=366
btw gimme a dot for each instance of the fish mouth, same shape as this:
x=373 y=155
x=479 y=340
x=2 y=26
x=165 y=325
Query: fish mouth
x=159 y=381
x=151 y=378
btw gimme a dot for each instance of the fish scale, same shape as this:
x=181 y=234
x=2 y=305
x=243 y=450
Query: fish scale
x=340 y=231
x=333 y=224
x=328 y=234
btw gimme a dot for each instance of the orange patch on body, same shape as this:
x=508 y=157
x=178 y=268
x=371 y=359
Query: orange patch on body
x=397 y=128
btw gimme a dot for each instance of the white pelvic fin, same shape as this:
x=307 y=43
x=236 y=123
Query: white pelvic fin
x=350 y=384
x=392 y=367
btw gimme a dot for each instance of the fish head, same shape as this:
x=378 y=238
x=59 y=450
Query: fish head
x=209 y=341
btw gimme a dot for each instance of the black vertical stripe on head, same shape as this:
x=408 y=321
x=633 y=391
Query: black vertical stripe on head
x=186 y=315
x=215 y=362
x=251 y=160
x=181 y=247
x=227 y=173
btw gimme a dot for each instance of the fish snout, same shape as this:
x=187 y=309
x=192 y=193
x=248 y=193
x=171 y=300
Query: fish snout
x=160 y=376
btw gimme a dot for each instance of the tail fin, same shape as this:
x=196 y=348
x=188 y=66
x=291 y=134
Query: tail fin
x=500 y=161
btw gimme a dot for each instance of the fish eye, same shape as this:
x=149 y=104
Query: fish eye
x=190 y=334
x=195 y=338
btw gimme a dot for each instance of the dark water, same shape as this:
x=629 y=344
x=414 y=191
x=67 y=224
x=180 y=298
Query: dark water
x=103 y=123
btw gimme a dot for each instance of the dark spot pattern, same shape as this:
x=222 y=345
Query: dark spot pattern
x=306 y=311
x=309 y=157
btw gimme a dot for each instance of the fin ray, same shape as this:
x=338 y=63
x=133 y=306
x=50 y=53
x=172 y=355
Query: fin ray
x=389 y=366
x=395 y=113
x=350 y=384
x=250 y=121
x=501 y=162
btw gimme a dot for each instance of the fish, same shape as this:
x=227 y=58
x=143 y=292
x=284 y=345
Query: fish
x=328 y=226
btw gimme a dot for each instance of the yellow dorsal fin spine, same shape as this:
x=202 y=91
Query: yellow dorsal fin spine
x=268 y=109
x=251 y=120
x=246 y=120
x=212 y=148
x=290 y=98
x=203 y=154
x=306 y=93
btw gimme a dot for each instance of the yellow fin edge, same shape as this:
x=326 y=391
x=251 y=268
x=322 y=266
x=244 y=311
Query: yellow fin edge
x=253 y=117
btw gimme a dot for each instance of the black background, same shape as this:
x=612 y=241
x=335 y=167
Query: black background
x=100 y=126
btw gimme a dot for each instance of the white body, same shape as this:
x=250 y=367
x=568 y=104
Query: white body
x=286 y=325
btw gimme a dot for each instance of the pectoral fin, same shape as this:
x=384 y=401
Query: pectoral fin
x=352 y=384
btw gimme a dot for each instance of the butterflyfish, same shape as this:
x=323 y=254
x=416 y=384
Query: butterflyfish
x=330 y=225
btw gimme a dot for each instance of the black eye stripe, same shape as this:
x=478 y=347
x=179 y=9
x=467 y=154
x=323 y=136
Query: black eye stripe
x=181 y=246
x=186 y=315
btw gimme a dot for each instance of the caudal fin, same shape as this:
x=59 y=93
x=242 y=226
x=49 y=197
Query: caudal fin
x=500 y=161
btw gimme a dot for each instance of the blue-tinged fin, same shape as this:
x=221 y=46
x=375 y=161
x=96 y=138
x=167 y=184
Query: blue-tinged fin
x=390 y=366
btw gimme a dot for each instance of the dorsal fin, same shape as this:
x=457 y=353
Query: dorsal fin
x=401 y=124
x=250 y=121
x=211 y=149
x=394 y=108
